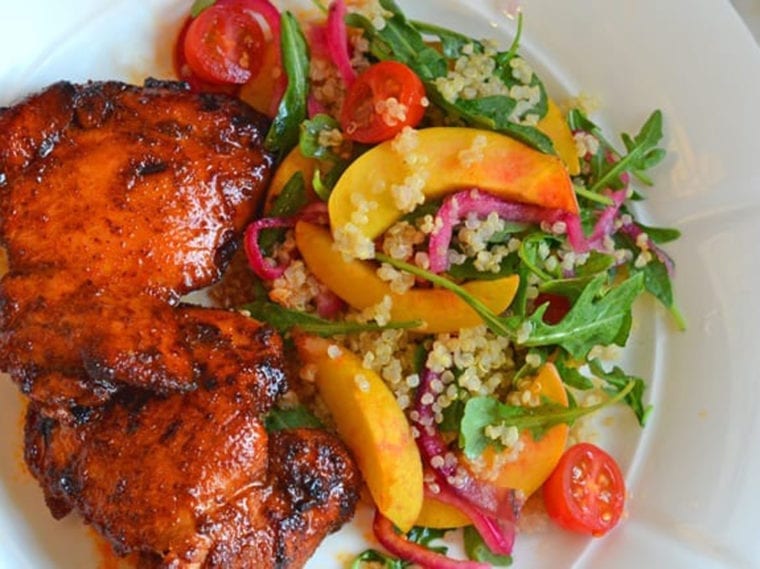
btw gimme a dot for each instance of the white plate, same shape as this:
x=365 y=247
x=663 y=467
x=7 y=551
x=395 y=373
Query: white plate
x=694 y=498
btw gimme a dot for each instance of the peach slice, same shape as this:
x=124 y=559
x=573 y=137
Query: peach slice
x=555 y=127
x=538 y=458
x=447 y=159
x=372 y=425
x=527 y=473
x=357 y=283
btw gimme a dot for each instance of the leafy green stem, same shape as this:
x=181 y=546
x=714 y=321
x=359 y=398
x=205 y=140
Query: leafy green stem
x=591 y=196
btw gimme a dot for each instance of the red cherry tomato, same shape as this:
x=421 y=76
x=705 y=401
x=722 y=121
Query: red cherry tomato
x=381 y=101
x=183 y=71
x=559 y=305
x=586 y=492
x=224 y=43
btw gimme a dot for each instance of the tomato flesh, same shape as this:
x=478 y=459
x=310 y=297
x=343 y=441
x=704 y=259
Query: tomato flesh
x=586 y=491
x=381 y=101
x=559 y=305
x=223 y=44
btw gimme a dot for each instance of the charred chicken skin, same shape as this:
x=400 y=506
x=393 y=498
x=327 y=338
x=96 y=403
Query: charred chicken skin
x=145 y=414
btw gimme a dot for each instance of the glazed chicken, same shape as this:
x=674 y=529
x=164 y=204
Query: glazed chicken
x=145 y=414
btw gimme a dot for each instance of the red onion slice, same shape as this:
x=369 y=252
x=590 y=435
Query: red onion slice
x=401 y=547
x=256 y=259
x=498 y=536
x=337 y=41
x=489 y=501
x=458 y=206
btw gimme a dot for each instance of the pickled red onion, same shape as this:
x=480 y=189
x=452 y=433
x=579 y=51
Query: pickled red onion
x=401 y=547
x=476 y=496
x=337 y=41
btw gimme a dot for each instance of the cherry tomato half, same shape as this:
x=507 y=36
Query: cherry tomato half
x=223 y=44
x=586 y=492
x=559 y=305
x=381 y=101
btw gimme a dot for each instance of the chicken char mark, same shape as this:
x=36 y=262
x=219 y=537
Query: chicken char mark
x=116 y=201
x=145 y=414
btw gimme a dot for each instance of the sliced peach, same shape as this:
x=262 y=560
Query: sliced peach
x=292 y=163
x=435 y=514
x=538 y=457
x=527 y=473
x=555 y=127
x=373 y=427
x=357 y=283
x=449 y=159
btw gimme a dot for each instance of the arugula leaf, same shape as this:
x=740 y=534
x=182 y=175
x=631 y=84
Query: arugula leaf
x=477 y=550
x=286 y=125
x=482 y=411
x=425 y=537
x=451 y=42
x=570 y=374
x=401 y=41
x=617 y=380
x=462 y=110
x=594 y=319
x=643 y=154
x=529 y=254
x=660 y=235
x=378 y=560
x=656 y=281
x=288 y=202
x=571 y=288
x=291 y=418
x=308 y=142
x=283 y=320
x=467 y=270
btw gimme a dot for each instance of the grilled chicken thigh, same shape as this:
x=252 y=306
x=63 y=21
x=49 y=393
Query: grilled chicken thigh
x=145 y=414
x=116 y=201
x=193 y=479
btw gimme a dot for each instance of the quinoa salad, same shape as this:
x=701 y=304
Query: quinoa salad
x=452 y=255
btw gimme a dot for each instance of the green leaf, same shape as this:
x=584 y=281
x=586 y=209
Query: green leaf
x=291 y=418
x=492 y=111
x=477 y=550
x=482 y=411
x=467 y=270
x=200 y=5
x=284 y=132
x=642 y=153
x=284 y=320
x=377 y=560
x=451 y=42
x=660 y=235
x=570 y=375
x=401 y=41
x=288 y=202
x=618 y=381
x=308 y=142
x=529 y=254
x=425 y=537
x=596 y=318
x=527 y=134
